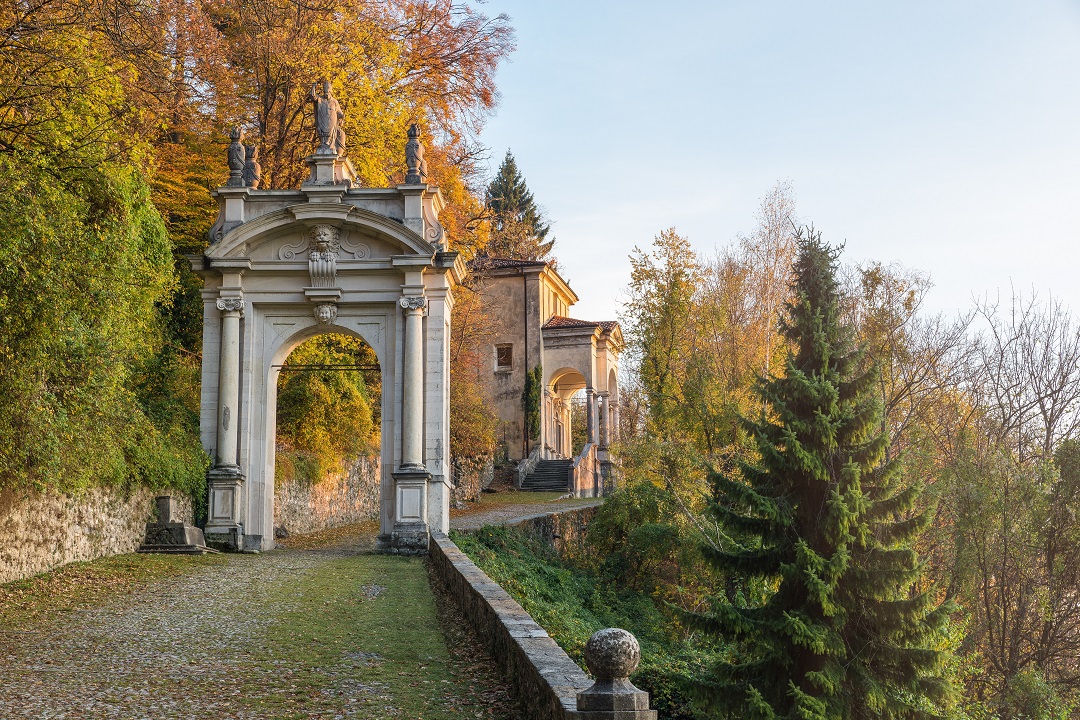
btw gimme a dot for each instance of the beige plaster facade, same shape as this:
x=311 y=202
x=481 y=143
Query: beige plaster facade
x=531 y=306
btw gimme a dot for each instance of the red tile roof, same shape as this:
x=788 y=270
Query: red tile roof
x=558 y=321
x=495 y=263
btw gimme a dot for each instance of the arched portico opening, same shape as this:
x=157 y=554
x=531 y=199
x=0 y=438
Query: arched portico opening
x=327 y=434
x=563 y=384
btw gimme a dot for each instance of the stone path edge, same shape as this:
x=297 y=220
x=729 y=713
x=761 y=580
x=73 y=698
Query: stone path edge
x=545 y=680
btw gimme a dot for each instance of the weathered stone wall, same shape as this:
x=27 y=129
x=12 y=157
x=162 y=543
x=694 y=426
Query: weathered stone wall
x=40 y=531
x=564 y=530
x=471 y=475
x=342 y=498
x=545 y=680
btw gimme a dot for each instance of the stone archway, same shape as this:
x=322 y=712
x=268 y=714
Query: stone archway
x=285 y=265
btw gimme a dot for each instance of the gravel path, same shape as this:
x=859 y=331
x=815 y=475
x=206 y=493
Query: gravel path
x=176 y=650
x=511 y=513
x=190 y=647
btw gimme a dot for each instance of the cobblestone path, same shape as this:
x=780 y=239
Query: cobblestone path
x=298 y=633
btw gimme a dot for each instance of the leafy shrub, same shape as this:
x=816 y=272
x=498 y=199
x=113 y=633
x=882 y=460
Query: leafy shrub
x=84 y=371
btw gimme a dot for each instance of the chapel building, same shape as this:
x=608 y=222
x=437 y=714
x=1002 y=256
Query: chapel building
x=530 y=303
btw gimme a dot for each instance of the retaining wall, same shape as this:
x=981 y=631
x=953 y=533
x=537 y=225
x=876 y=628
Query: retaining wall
x=470 y=476
x=40 y=531
x=545 y=680
x=564 y=530
x=342 y=498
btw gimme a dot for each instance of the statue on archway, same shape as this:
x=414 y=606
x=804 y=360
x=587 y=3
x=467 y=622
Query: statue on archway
x=236 y=157
x=328 y=119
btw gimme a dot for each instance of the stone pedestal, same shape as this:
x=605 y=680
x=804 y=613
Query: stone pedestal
x=169 y=535
x=330 y=177
x=223 y=527
x=410 y=533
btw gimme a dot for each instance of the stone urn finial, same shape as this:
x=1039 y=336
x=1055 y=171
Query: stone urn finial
x=252 y=174
x=612 y=655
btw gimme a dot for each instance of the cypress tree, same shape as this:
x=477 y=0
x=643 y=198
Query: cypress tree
x=846 y=629
x=518 y=227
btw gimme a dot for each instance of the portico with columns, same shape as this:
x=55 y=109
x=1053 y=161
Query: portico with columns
x=287 y=265
x=577 y=357
x=580 y=355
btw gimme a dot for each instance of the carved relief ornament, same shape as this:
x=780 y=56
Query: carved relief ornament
x=413 y=303
x=326 y=313
x=325 y=245
x=335 y=243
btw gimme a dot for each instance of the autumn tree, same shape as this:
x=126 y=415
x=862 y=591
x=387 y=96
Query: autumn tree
x=90 y=388
x=332 y=414
x=1014 y=500
x=849 y=631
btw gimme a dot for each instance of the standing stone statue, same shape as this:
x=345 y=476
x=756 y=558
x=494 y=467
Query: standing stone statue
x=415 y=164
x=236 y=158
x=252 y=169
x=328 y=118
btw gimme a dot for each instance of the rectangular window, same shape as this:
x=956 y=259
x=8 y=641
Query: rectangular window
x=504 y=357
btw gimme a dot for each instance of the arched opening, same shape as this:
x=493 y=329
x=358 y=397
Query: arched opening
x=565 y=391
x=325 y=415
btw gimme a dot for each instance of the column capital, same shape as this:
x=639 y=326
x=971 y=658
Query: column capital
x=417 y=302
x=231 y=304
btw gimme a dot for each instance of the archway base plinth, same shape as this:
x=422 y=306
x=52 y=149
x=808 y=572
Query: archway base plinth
x=224 y=531
x=405 y=540
x=411 y=532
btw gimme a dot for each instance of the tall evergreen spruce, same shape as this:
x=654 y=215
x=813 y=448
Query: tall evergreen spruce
x=849 y=630
x=518 y=227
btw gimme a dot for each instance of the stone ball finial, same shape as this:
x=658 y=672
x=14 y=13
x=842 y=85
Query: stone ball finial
x=612 y=654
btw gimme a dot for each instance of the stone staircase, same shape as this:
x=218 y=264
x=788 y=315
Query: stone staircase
x=549 y=476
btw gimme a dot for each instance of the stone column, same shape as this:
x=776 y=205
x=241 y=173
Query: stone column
x=229 y=381
x=590 y=416
x=605 y=428
x=547 y=422
x=410 y=533
x=568 y=428
x=615 y=421
x=412 y=401
x=223 y=526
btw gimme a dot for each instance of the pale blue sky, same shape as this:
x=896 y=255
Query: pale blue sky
x=942 y=135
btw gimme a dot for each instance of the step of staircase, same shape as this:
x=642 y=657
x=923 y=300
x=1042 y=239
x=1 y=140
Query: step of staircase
x=549 y=476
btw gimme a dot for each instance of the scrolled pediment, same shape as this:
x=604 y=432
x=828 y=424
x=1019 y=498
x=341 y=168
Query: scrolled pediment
x=285 y=235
